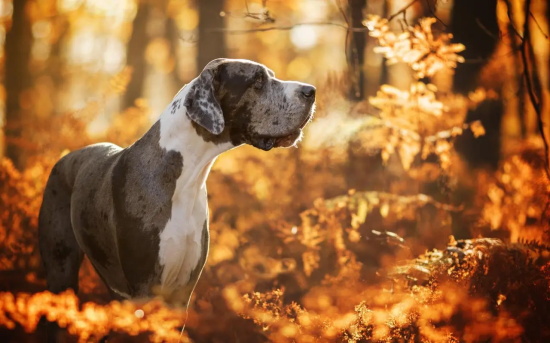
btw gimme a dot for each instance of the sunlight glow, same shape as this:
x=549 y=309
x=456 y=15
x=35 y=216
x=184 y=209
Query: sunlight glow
x=299 y=68
x=331 y=242
x=139 y=313
x=304 y=37
x=114 y=55
x=81 y=47
x=120 y=9
x=188 y=19
x=6 y=8
x=105 y=53
x=68 y=5
x=40 y=50
x=42 y=29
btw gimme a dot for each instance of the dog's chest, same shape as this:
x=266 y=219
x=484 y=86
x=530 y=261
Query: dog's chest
x=181 y=246
x=184 y=239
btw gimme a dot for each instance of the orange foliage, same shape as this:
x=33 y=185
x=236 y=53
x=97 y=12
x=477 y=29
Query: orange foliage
x=92 y=321
x=20 y=198
x=456 y=300
x=515 y=200
x=417 y=46
x=342 y=269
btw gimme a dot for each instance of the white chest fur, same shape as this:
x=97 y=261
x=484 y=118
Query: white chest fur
x=180 y=241
x=180 y=248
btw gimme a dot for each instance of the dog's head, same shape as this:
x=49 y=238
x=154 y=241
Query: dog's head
x=242 y=101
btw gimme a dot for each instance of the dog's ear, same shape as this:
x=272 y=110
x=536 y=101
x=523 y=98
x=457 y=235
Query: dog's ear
x=201 y=103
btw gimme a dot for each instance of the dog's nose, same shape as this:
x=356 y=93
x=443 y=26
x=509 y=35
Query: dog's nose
x=308 y=91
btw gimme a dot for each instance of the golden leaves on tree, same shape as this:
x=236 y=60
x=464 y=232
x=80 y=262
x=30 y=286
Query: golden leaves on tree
x=417 y=46
x=419 y=121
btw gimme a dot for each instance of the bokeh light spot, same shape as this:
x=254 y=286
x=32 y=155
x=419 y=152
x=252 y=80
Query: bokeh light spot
x=299 y=68
x=303 y=37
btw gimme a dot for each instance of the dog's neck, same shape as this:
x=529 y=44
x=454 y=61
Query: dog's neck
x=177 y=132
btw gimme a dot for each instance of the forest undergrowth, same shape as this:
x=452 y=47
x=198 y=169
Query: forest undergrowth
x=388 y=236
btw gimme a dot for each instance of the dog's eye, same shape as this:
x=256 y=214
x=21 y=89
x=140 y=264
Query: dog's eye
x=259 y=82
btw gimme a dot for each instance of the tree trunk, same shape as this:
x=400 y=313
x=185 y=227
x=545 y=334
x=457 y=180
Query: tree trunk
x=18 y=79
x=356 y=49
x=474 y=24
x=211 y=43
x=384 y=73
x=136 y=54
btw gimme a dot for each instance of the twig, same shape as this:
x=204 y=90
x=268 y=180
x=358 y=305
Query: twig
x=486 y=30
x=346 y=40
x=524 y=46
x=341 y=9
x=433 y=14
x=532 y=82
x=402 y=10
x=538 y=25
x=263 y=17
x=511 y=19
x=290 y=27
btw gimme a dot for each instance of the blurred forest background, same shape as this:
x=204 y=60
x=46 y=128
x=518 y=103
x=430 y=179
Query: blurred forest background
x=415 y=209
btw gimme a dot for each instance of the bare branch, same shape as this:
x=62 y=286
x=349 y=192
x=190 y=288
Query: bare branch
x=531 y=76
x=511 y=19
x=341 y=9
x=346 y=39
x=538 y=25
x=532 y=81
x=486 y=30
x=402 y=10
x=290 y=27
x=262 y=17
x=433 y=14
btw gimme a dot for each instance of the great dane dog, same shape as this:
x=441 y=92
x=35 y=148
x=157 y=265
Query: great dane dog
x=140 y=214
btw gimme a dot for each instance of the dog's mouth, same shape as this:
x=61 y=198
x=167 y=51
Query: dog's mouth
x=269 y=142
